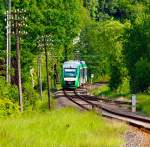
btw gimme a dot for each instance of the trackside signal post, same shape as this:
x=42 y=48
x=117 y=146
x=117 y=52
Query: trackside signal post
x=133 y=103
x=92 y=76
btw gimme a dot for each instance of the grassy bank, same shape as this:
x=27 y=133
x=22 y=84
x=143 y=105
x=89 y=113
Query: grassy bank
x=143 y=103
x=65 y=127
x=143 y=100
x=106 y=92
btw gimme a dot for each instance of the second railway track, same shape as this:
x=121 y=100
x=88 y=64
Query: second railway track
x=107 y=108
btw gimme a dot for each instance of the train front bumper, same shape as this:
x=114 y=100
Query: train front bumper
x=70 y=82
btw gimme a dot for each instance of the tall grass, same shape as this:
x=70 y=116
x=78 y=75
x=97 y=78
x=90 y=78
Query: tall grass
x=107 y=92
x=143 y=99
x=143 y=104
x=60 y=128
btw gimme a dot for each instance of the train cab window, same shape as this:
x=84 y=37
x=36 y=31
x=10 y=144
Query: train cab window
x=70 y=72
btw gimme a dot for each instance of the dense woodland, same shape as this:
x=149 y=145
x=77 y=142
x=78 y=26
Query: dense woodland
x=112 y=36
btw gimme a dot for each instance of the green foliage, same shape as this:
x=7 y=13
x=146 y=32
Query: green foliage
x=30 y=97
x=142 y=74
x=7 y=107
x=8 y=91
x=137 y=55
x=101 y=26
x=101 y=47
x=122 y=9
x=143 y=104
x=63 y=127
x=62 y=19
x=116 y=79
x=105 y=91
x=8 y=98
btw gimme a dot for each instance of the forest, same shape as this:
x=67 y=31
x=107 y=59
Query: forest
x=111 y=36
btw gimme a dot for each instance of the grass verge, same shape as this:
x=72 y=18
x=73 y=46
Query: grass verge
x=64 y=127
x=143 y=100
x=143 y=103
x=106 y=92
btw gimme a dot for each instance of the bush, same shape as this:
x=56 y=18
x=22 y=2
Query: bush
x=142 y=75
x=115 y=79
x=30 y=97
x=8 y=91
x=7 y=107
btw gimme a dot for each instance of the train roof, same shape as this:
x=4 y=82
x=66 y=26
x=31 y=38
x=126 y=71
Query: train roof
x=74 y=64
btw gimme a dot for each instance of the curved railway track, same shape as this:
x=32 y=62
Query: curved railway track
x=107 y=108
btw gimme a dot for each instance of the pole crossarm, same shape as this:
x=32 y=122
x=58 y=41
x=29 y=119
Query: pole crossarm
x=43 y=42
x=18 y=23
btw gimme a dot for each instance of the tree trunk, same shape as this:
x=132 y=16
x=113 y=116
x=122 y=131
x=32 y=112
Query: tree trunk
x=84 y=3
x=40 y=75
x=103 y=6
x=7 y=52
x=47 y=73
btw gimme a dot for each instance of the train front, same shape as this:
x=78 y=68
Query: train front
x=70 y=77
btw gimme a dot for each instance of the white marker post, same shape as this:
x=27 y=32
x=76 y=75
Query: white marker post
x=133 y=103
x=92 y=76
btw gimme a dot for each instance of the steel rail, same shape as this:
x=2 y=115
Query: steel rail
x=129 y=117
x=71 y=99
x=105 y=100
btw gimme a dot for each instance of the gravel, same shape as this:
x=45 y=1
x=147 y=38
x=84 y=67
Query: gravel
x=135 y=137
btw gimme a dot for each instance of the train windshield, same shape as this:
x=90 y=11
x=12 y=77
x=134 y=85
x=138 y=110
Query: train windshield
x=70 y=72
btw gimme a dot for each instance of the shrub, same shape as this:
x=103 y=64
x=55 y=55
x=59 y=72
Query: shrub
x=115 y=79
x=7 y=107
x=30 y=96
x=8 y=91
x=142 y=76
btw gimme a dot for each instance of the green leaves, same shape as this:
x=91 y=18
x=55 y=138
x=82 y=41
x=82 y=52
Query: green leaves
x=137 y=54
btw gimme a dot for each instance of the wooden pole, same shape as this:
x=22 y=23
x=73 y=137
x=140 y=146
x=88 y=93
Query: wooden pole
x=40 y=75
x=47 y=72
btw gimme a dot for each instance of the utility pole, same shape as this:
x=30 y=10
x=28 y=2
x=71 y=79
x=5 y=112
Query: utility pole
x=19 y=65
x=8 y=50
x=9 y=40
x=40 y=74
x=47 y=73
x=45 y=41
x=40 y=49
x=18 y=19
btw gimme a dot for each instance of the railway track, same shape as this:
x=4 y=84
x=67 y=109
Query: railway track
x=107 y=108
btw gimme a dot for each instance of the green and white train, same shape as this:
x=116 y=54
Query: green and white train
x=74 y=74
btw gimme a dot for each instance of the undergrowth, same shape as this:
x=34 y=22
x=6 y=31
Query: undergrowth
x=64 y=127
x=143 y=99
